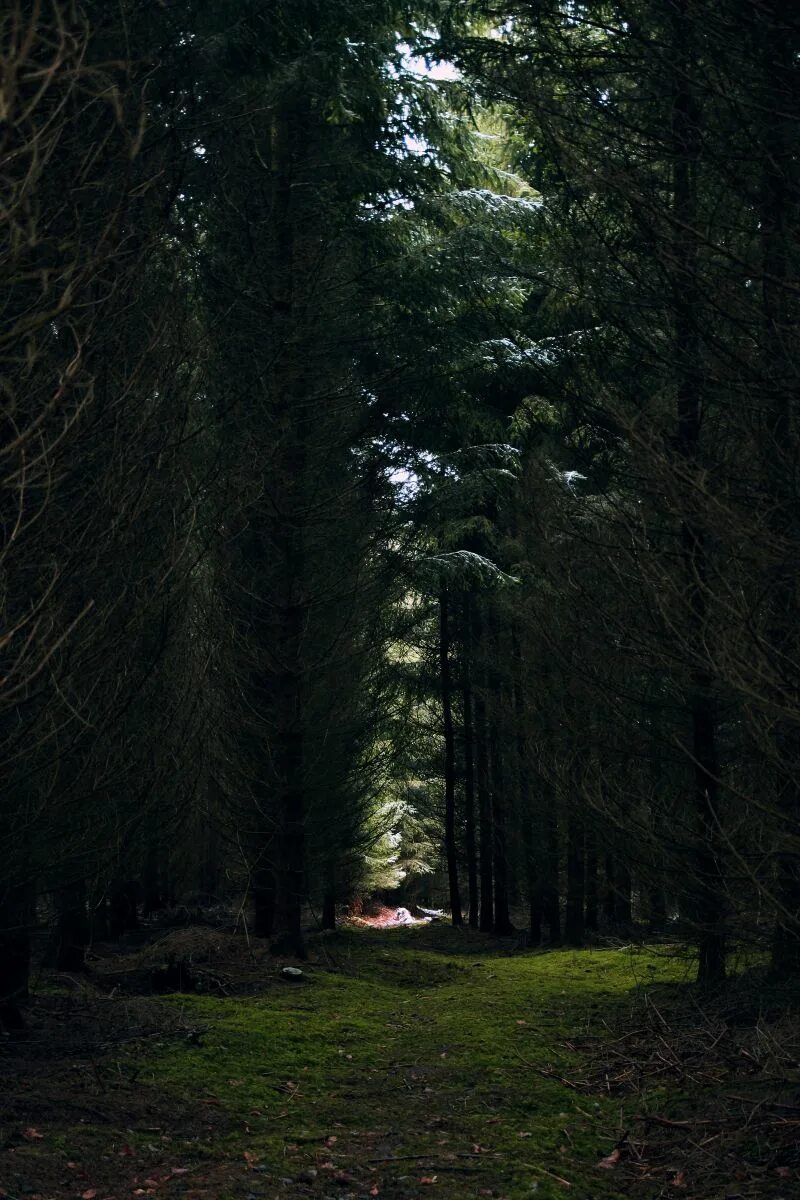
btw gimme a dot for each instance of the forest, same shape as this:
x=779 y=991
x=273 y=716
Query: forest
x=400 y=592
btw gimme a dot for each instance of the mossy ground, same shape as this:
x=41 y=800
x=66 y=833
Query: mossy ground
x=409 y=1063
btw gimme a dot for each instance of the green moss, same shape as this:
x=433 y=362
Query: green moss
x=434 y=1044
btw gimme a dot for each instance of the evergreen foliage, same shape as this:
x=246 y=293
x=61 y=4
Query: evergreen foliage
x=399 y=468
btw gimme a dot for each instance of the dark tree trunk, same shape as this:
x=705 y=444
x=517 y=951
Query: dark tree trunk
x=99 y=926
x=483 y=780
x=502 y=918
x=533 y=881
x=329 y=908
x=210 y=866
x=610 y=891
x=154 y=899
x=574 y=916
x=656 y=893
x=779 y=212
x=263 y=886
x=533 y=858
x=469 y=802
x=15 y=953
x=624 y=886
x=657 y=904
x=686 y=131
x=710 y=898
x=451 y=850
x=73 y=928
x=291 y=892
x=296 y=253
x=122 y=906
x=535 y=917
x=485 y=849
x=592 y=913
x=551 y=901
x=785 y=960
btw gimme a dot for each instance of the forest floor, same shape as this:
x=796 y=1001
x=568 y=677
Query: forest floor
x=407 y=1064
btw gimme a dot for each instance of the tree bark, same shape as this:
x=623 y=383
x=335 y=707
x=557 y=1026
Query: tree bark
x=624 y=887
x=592 y=911
x=294 y=257
x=153 y=894
x=780 y=235
x=329 y=908
x=123 y=906
x=451 y=850
x=610 y=892
x=574 y=916
x=73 y=928
x=486 y=841
x=15 y=953
x=551 y=903
x=708 y=878
x=657 y=906
x=469 y=793
x=263 y=885
x=502 y=919
x=531 y=848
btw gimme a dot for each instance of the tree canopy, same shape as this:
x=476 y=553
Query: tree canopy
x=399 y=468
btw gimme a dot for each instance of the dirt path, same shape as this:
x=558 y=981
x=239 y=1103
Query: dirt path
x=416 y=1063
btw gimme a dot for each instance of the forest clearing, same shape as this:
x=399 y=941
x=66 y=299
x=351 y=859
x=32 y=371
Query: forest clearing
x=407 y=1063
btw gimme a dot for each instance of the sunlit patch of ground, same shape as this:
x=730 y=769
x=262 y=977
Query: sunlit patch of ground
x=381 y=917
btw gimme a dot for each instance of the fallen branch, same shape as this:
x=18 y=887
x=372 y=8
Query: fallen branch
x=550 y=1074
x=417 y=1158
x=558 y=1178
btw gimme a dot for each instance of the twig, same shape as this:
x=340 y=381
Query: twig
x=418 y=1158
x=668 y=1124
x=558 y=1178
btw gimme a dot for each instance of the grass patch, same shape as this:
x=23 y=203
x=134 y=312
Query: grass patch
x=415 y=1054
x=409 y=1063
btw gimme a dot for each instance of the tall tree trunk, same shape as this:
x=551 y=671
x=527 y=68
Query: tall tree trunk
x=551 y=903
x=291 y=871
x=210 y=864
x=708 y=876
x=610 y=891
x=451 y=850
x=329 y=907
x=657 y=908
x=780 y=237
x=485 y=826
x=709 y=909
x=73 y=928
x=151 y=880
x=592 y=911
x=15 y=952
x=533 y=879
x=263 y=887
x=502 y=918
x=531 y=848
x=624 y=887
x=483 y=783
x=574 y=916
x=295 y=255
x=99 y=919
x=123 y=906
x=469 y=795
